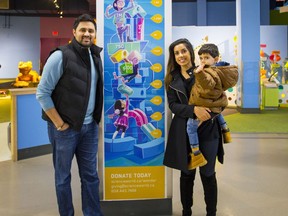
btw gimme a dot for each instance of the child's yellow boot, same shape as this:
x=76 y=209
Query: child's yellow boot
x=197 y=159
x=226 y=135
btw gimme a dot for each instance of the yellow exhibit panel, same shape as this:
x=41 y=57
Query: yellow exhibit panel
x=134 y=182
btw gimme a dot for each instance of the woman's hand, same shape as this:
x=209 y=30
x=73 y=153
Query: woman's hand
x=202 y=113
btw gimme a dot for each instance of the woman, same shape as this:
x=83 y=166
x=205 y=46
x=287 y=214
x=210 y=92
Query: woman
x=178 y=82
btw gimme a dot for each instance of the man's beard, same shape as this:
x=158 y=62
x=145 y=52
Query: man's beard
x=85 y=44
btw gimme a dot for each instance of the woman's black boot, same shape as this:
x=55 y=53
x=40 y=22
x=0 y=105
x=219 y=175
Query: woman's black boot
x=186 y=193
x=210 y=193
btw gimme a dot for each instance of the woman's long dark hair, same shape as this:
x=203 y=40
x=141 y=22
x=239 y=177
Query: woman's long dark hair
x=172 y=64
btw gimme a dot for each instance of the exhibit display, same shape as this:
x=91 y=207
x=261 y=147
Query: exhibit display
x=134 y=127
x=27 y=76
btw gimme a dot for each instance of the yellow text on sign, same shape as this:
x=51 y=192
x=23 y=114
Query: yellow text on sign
x=134 y=182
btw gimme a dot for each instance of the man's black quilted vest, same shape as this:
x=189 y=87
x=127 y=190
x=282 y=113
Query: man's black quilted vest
x=71 y=93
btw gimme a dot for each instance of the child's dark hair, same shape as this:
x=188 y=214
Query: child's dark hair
x=84 y=18
x=211 y=49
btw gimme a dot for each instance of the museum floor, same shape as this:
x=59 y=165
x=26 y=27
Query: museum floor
x=252 y=182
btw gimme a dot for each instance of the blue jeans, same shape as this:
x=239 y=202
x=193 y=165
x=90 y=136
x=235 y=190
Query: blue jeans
x=84 y=145
x=221 y=121
x=192 y=127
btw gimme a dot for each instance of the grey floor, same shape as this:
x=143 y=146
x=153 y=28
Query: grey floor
x=252 y=182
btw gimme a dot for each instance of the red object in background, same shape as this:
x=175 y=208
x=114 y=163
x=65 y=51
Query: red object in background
x=275 y=57
x=48 y=44
x=55 y=33
x=262 y=53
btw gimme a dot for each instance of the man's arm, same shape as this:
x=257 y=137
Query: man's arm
x=56 y=119
x=52 y=72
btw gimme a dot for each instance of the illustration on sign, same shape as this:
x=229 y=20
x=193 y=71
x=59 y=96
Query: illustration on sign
x=134 y=106
x=134 y=92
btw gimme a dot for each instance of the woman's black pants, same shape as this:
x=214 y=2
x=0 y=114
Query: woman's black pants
x=208 y=178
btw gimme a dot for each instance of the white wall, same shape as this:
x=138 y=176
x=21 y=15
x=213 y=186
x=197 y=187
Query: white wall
x=18 y=42
x=275 y=37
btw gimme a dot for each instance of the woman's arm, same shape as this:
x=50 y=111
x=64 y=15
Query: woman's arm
x=184 y=110
x=180 y=108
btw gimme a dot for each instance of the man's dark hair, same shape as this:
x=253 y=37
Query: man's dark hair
x=84 y=18
x=211 y=49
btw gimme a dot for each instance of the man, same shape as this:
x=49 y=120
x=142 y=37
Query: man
x=71 y=95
